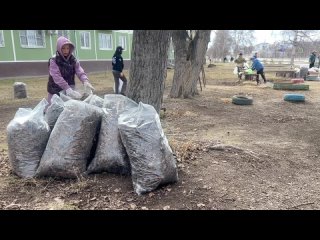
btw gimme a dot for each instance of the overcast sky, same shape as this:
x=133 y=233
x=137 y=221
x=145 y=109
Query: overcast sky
x=268 y=36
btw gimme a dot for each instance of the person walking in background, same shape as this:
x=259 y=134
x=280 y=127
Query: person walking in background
x=62 y=70
x=258 y=66
x=117 y=68
x=240 y=65
x=312 y=59
x=317 y=61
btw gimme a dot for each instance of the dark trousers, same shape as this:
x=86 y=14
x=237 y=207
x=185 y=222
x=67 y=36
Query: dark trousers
x=262 y=75
x=311 y=65
x=240 y=69
x=116 y=76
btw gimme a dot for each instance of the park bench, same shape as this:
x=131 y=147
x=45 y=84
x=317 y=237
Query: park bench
x=286 y=73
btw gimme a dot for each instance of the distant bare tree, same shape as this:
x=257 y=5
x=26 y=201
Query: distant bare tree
x=296 y=37
x=190 y=47
x=221 y=44
x=306 y=47
x=241 y=39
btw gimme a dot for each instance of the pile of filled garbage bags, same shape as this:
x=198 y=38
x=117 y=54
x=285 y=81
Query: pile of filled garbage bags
x=74 y=138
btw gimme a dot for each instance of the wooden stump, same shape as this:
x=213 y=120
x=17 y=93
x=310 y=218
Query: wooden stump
x=20 y=90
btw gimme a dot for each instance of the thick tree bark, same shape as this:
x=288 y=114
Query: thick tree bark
x=182 y=66
x=148 y=68
x=294 y=46
x=189 y=59
x=200 y=45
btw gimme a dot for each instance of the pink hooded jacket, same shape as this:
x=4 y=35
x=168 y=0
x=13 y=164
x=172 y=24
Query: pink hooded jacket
x=54 y=69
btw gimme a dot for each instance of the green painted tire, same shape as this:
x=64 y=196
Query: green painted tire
x=290 y=86
x=312 y=78
x=242 y=100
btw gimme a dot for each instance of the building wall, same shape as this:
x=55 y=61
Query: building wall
x=126 y=53
x=29 y=69
x=21 y=61
x=31 y=54
x=85 y=53
x=6 y=52
x=105 y=54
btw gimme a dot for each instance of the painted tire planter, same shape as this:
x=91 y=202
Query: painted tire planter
x=312 y=78
x=242 y=100
x=290 y=86
x=297 y=80
x=294 y=97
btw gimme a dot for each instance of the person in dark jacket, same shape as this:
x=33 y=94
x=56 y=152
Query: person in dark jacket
x=312 y=59
x=62 y=70
x=117 y=68
x=257 y=65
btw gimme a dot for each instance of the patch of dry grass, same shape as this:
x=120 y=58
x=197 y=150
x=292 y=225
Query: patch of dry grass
x=59 y=204
x=184 y=150
x=37 y=86
x=223 y=73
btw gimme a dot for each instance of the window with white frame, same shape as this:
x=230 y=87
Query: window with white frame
x=123 y=42
x=64 y=33
x=1 y=38
x=32 y=38
x=85 y=40
x=105 y=41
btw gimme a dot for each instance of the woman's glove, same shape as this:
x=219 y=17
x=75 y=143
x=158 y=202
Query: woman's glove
x=73 y=94
x=86 y=84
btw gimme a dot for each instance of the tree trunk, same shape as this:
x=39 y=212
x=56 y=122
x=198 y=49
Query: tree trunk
x=189 y=58
x=148 y=68
x=182 y=66
x=294 y=46
x=199 y=49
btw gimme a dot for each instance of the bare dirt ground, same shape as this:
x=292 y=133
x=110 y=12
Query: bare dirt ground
x=261 y=156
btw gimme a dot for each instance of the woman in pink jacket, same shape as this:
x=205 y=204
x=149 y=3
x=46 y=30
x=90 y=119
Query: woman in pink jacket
x=62 y=70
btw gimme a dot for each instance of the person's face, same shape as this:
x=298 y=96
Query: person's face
x=65 y=50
